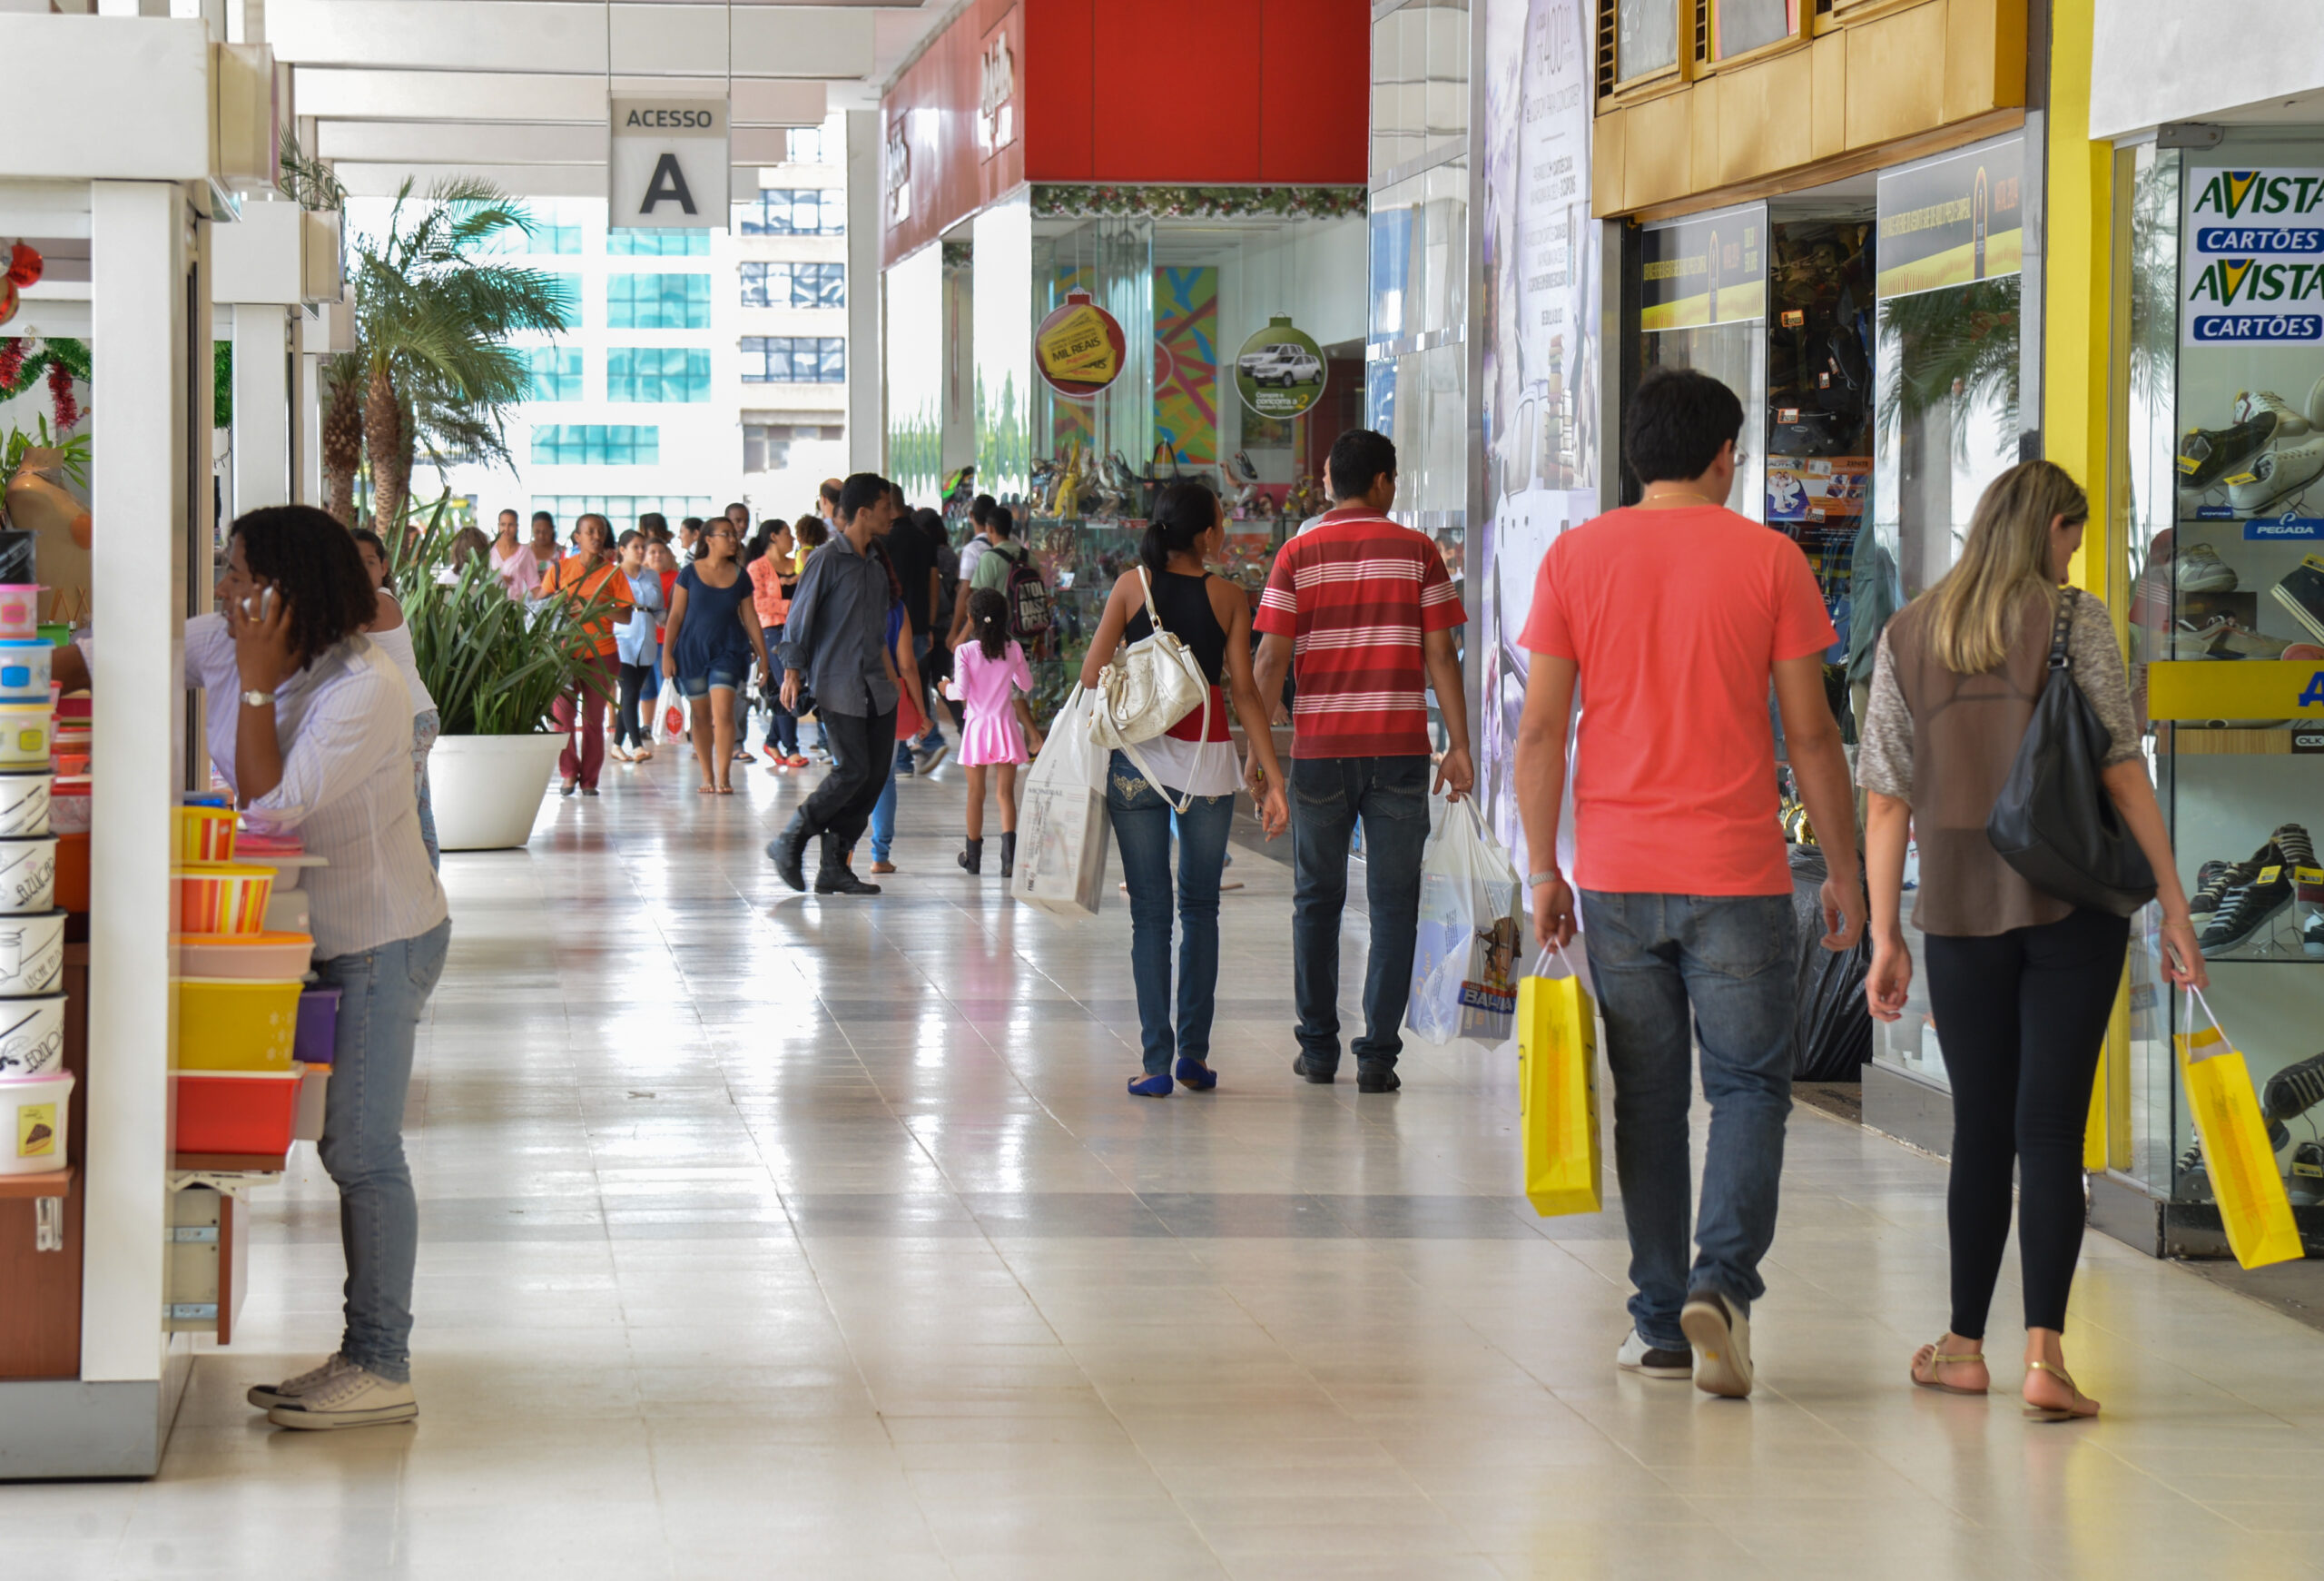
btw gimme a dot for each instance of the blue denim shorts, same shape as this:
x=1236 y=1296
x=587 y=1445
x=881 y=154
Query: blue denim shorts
x=718 y=675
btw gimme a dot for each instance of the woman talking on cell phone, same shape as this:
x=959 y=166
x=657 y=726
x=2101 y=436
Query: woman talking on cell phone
x=309 y=725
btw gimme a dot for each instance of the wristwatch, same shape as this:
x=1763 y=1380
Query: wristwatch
x=258 y=699
x=1536 y=880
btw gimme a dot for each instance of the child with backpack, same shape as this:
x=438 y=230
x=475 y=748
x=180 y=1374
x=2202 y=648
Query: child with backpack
x=992 y=681
x=1009 y=570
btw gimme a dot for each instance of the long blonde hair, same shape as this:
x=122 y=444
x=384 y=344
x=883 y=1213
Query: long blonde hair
x=1975 y=613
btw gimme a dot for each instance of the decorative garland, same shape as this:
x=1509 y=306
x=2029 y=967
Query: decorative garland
x=1052 y=202
x=59 y=358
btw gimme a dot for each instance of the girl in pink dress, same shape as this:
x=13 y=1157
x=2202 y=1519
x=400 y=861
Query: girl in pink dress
x=992 y=678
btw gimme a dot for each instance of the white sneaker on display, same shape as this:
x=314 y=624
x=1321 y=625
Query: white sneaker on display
x=353 y=1397
x=1721 y=1336
x=2290 y=422
x=2316 y=404
x=2197 y=569
x=290 y=1388
x=2282 y=471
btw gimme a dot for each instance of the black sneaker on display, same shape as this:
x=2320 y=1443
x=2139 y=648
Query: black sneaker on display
x=2194 y=1175
x=2293 y=1091
x=2293 y=847
x=2247 y=908
x=2212 y=881
x=2305 y=1184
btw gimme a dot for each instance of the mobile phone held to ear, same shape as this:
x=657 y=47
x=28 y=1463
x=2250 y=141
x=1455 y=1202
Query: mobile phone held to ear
x=258 y=606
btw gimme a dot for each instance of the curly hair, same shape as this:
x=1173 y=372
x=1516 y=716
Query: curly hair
x=311 y=557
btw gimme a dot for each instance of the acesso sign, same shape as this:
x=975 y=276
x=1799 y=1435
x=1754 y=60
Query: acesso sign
x=668 y=164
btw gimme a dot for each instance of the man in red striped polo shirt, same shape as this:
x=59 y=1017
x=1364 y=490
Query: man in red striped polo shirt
x=1361 y=611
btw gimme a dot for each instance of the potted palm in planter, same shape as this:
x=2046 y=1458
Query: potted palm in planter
x=495 y=669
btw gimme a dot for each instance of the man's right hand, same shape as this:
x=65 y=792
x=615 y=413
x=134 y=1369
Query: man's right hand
x=1553 y=911
x=790 y=690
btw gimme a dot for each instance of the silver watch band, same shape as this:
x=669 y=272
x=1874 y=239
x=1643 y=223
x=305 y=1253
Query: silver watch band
x=1536 y=880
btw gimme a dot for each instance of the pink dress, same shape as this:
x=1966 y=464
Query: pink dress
x=992 y=733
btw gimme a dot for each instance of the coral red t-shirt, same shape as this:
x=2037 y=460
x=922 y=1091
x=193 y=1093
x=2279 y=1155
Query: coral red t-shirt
x=1354 y=593
x=1676 y=619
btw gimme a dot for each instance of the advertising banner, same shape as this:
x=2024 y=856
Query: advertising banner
x=2252 y=271
x=1280 y=372
x=1079 y=349
x=1953 y=220
x=1707 y=269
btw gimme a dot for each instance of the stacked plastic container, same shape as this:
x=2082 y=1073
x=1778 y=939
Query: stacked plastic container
x=238 y=1073
x=35 y=1089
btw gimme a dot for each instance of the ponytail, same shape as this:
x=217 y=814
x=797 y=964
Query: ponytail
x=1181 y=515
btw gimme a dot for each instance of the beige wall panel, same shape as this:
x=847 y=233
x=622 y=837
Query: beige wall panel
x=1606 y=141
x=1828 y=66
x=1764 y=122
x=1985 y=57
x=1896 y=74
x=1657 y=143
x=1703 y=101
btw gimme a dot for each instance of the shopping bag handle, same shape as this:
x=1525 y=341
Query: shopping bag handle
x=1553 y=948
x=2195 y=997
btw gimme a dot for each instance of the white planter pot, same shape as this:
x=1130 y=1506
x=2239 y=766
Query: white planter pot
x=487 y=789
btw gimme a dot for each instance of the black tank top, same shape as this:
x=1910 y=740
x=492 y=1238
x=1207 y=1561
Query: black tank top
x=1184 y=603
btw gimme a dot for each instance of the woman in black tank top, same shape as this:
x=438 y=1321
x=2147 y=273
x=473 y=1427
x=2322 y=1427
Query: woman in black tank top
x=1212 y=617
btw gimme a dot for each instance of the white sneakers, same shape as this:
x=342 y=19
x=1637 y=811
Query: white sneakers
x=337 y=1394
x=2281 y=472
x=2197 y=569
x=1721 y=1336
x=2289 y=419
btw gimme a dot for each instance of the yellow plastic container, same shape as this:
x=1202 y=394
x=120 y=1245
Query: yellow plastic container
x=229 y=1025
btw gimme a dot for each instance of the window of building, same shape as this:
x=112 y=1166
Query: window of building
x=812 y=145
x=657 y=302
x=547 y=237
x=793 y=285
x=555 y=373
x=795 y=211
x=596 y=444
x=657 y=373
x=621 y=509
x=645 y=241
x=766 y=446
x=795 y=359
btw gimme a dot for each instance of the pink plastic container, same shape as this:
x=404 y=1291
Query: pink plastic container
x=19 y=611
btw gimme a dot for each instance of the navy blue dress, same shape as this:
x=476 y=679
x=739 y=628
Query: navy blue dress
x=711 y=638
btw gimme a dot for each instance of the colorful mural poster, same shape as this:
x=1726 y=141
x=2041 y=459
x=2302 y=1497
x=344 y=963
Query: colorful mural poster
x=1185 y=361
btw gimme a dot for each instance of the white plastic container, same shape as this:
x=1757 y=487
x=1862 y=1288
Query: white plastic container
x=27 y=731
x=31 y=1036
x=314 y=1090
x=27 y=875
x=24 y=671
x=32 y=956
x=25 y=795
x=286 y=912
x=32 y=1115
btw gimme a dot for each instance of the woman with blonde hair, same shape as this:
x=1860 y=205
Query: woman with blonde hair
x=2020 y=984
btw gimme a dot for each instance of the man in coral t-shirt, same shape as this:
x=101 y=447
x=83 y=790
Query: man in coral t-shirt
x=1361 y=610
x=1674 y=617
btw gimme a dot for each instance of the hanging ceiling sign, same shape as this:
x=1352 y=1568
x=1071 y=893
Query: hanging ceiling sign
x=669 y=164
x=1280 y=372
x=1711 y=269
x=1079 y=349
x=1954 y=220
x=2252 y=269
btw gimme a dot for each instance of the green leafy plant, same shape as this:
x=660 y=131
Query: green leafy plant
x=494 y=666
x=72 y=453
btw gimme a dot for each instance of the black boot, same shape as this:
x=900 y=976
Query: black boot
x=788 y=849
x=833 y=876
x=1009 y=854
x=973 y=858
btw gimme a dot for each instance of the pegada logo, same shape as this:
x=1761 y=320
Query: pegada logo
x=2232 y=193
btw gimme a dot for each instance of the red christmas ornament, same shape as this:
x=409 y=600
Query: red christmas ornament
x=24 y=265
x=12 y=363
x=8 y=300
x=60 y=394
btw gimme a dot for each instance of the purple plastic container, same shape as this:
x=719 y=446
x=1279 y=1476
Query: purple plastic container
x=317 y=1033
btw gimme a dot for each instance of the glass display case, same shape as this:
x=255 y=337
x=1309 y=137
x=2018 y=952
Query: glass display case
x=2223 y=557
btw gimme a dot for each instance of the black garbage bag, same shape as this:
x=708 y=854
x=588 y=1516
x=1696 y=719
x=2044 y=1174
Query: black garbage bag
x=1831 y=1029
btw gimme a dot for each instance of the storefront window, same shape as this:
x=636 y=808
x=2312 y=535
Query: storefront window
x=1703 y=305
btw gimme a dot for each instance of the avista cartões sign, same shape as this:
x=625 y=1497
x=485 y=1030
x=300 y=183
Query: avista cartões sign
x=2251 y=271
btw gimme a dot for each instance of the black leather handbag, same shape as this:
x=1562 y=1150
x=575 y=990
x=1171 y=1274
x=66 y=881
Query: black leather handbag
x=2055 y=822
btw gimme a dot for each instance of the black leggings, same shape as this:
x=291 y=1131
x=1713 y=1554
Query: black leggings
x=629 y=729
x=2021 y=1016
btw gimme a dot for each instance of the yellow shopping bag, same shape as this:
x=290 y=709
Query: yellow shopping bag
x=1557 y=1085
x=2251 y=1194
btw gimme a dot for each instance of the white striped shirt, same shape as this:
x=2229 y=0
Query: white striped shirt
x=344 y=724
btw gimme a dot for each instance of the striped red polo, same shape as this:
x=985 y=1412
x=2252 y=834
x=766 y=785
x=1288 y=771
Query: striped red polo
x=1354 y=593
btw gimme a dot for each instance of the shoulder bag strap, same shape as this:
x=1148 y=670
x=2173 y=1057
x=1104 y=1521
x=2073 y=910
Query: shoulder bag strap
x=2061 y=630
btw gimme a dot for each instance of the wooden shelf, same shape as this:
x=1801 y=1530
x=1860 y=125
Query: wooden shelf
x=50 y=1183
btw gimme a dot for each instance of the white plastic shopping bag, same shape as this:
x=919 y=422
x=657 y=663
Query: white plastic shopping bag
x=670 y=712
x=1061 y=826
x=1470 y=946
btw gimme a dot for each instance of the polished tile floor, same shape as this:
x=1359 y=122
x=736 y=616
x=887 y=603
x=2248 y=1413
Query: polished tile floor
x=771 y=1237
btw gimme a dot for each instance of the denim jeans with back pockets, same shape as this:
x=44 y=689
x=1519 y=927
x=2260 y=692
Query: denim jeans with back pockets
x=1142 y=821
x=1328 y=795
x=383 y=993
x=1727 y=962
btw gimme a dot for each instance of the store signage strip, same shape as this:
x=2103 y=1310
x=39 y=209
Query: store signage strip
x=2252 y=269
x=669 y=164
x=2206 y=689
x=1954 y=220
x=1708 y=269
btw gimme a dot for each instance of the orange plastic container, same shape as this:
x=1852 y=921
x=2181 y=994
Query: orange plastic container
x=222 y=897
x=205 y=835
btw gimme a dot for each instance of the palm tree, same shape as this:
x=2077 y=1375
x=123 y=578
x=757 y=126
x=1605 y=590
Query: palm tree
x=432 y=368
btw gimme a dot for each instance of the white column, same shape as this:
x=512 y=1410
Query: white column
x=143 y=478
x=263 y=413
x=867 y=416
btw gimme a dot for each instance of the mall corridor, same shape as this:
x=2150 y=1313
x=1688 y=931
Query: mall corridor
x=765 y=1237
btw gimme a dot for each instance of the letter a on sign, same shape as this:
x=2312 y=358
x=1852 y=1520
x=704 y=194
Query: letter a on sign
x=668 y=164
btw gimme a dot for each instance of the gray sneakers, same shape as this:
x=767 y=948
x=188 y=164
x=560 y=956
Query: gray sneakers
x=1721 y=1336
x=350 y=1398
x=266 y=1399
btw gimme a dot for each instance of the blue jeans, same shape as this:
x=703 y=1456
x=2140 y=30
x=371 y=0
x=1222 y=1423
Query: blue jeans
x=1328 y=795
x=883 y=814
x=1731 y=959
x=1141 y=820
x=382 y=993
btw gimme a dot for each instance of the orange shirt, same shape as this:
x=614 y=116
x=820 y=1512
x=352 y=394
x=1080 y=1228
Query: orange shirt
x=565 y=576
x=766 y=592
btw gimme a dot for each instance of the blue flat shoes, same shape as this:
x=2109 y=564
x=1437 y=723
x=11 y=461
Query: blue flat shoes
x=1151 y=1087
x=1198 y=1075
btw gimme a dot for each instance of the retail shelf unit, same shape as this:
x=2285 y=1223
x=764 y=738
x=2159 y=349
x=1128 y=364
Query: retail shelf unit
x=139 y=191
x=2223 y=423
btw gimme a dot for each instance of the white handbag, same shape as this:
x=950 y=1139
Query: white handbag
x=1148 y=687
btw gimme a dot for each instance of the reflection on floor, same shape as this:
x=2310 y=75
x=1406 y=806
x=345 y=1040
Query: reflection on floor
x=765 y=1237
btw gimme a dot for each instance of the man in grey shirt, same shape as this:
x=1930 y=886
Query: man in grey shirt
x=835 y=643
